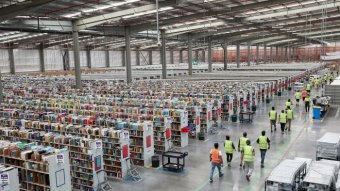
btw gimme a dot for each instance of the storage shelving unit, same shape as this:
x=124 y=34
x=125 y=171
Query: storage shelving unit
x=162 y=133
x=40 y=168
x=179 y=137
x=141 y=143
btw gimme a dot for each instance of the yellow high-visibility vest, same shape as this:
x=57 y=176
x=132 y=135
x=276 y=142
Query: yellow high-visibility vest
x=248 y=154
x=283 y=118
x=272 y=115
x=289 y=114
x=228 y=146
x=263 y=144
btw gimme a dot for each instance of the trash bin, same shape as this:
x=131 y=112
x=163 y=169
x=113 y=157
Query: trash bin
x=155 y=161
x=201 y=136
x=289 y=88
x=234 y=118
x=316 y=112
x=279 y=93
x=253 y=108
x=267 y=100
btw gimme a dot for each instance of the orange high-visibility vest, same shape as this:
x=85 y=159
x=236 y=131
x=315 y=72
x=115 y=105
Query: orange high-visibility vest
x=304 y=93
x=215 y=158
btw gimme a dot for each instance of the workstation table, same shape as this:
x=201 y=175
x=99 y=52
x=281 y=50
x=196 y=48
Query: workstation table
x=246 y=116
x=173 y=160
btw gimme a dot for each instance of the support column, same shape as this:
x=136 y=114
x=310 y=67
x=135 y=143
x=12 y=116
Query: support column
x=150 y=57
x=190 y=53
x=137 y=57
x=1 y=90
x=163 y=55
x=286 y=54
x=225 y=56
x=282 y=55
x=289 y=55
x=203 y=55
x=277 y=54
x=265 y=54
x=123 y=57
x=66 y=59
x=248 y=56
x=210 y=54
x=271 y=54
x=88 y=57
x=196 y=54
x=238 y=55
x=11 y=60
x=257 y=55
x=128 y=56
x=181 y=56
x=41 y=57
x=75 y=34
x=172 y=57
x=107 y=58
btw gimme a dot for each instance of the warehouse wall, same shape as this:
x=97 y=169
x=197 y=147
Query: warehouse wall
x=4 y=64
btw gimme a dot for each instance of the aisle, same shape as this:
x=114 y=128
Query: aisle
x=196 y=174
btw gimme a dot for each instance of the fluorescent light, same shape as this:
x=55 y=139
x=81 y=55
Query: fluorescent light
x=147 y=12
x=72 y=15
x=109 y=6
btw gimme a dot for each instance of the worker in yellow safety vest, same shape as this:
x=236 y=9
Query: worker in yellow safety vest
x=241 y=143
x=308 y=88
x=264 y=144
x=307 y=103
x=288 y=103
x=273 y=118
x=216 y=161
x=283 y=120
x=297 y=97
x=290 y=117
x=248 y=154
x=229 y=149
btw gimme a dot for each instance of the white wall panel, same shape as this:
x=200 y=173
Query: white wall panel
x=133 y=58
x=176 y=56
x=168 y=57
x=4 y=61
x=53 y=59
x=156 y=57
x=83 y=59
x=144 y=58
x=26 y=60
x=185 y=56
x=98 y=59
x=116 y=58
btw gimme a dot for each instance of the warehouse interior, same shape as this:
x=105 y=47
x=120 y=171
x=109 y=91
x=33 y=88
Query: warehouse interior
x=133 y=95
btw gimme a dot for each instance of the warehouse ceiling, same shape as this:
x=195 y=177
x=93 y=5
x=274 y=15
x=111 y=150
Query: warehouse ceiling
x=102 y=23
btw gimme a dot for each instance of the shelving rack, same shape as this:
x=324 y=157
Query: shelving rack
x=40 y=168
x=162 y=133
x=179 y=137
x=142 y=143
x=206 y=117
x=194 y=120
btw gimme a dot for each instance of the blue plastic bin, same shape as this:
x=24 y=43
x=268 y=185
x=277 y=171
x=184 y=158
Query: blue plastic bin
x=316 y=112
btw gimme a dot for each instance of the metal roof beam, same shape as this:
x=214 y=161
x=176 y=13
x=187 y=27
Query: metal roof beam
x=20 y=8
x=100 y=19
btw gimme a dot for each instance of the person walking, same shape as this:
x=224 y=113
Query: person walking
x=297 y=97
x=307 y=103
x=241 y=143
x=290 y=117
x=288 y=103
x=264 y=145
x=248 y=154
x=283 y=120
x=308 y=88
x=216 y=161
x=273 y=118
x=304 y=94
x=229 y=149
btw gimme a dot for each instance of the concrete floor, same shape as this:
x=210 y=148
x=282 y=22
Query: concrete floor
x=300 y=142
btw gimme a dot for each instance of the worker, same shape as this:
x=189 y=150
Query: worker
x=297 y=97
x=316 y=83
x=241 y=143
x=288 y=103
x=304 y=94
x=264 y=144
x=273 y=118
x=248 y=154
x=308 y=88
x=307 y=103
x=290 y=117
x=283 y=120
x=229 y=149
x=216 y=161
